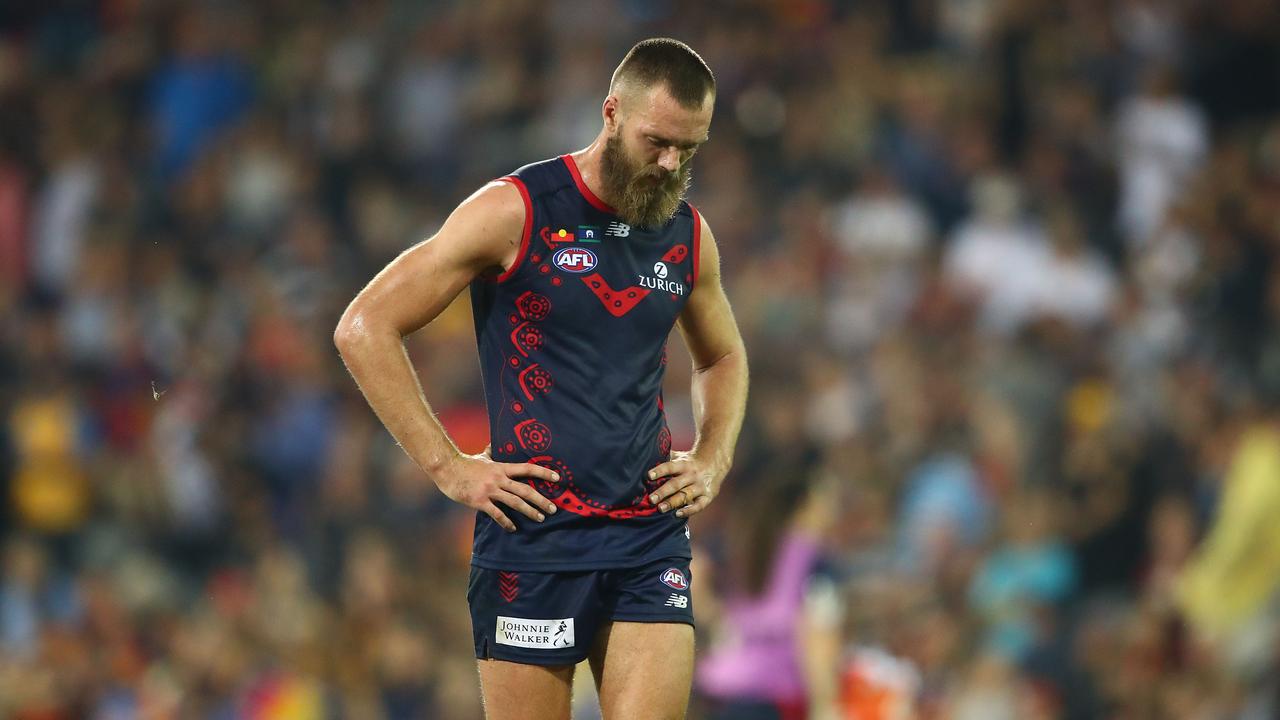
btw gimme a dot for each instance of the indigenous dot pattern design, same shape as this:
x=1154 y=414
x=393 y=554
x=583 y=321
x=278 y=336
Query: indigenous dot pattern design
x=534 y=436
x=569 y=496
x=573 y=365
x=617 y=302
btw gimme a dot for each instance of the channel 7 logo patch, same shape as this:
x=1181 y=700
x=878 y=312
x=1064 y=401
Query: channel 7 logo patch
x=574 y=259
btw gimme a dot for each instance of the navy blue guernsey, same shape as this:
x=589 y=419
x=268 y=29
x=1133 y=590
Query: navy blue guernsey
x=572 y=340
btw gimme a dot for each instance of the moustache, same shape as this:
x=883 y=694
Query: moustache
x=659 y=177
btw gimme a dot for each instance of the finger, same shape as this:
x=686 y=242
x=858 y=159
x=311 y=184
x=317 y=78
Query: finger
x=488 y=451
x=698 y=504
x=529 y=494
x=517 y=503
x=663 y=495
x=498 y=516
x=530 y=470
x=680 y=498
x=669 y=468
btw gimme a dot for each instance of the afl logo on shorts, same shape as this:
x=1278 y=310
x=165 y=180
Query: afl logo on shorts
x=672 y=577
x=574 y=259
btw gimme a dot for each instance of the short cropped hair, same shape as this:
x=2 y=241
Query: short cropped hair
x=673 y=64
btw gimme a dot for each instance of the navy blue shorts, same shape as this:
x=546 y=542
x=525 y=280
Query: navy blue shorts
x=551 y=618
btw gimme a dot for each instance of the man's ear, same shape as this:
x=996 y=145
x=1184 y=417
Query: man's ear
x=611 y=112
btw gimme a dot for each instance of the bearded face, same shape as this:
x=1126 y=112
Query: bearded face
x=643 y=195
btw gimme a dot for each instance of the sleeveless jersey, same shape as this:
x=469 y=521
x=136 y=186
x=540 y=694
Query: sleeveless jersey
x=572 y=340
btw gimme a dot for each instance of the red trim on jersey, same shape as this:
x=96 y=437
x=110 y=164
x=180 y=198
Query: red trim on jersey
x=596 y=202
x=528 y=227
x=697 y=241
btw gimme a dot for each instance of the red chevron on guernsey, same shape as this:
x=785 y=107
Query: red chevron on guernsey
x=508 y=585
x=617 y=302
x=676 y=254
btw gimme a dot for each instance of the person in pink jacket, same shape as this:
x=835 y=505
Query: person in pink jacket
x=776 y=643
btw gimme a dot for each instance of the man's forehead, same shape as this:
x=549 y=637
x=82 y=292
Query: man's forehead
x=656 y=111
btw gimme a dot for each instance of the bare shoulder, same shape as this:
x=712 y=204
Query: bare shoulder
x=708 y=251
x=487 y=228
x=482 y=235
x=707 y=323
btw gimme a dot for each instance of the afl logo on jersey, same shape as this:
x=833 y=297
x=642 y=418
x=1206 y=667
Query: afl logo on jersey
x=672 y=577
x=574 y=259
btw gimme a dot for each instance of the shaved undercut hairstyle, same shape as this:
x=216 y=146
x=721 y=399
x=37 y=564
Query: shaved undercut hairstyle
x=671 y=63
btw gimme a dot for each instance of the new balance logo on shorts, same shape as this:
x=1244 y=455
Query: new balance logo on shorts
x=526 y=633
x=677 y=601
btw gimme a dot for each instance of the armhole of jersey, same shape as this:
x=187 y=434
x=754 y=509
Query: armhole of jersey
x=528 y=227
x=697 y=241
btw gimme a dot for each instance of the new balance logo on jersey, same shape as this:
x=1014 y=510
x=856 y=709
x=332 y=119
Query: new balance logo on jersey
x=660 y=282
x=618 y=229
x=677 y=601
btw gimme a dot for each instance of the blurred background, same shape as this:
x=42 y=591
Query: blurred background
x=1008 y=272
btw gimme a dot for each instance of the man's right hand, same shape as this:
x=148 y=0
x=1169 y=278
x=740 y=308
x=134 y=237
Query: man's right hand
x=483 y=236
x=480 y=483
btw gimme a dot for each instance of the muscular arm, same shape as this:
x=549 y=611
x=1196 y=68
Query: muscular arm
x=483 y=233
x=719 y=361
x=719 y=389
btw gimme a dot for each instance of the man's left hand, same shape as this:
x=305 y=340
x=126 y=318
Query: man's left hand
x=692 y=483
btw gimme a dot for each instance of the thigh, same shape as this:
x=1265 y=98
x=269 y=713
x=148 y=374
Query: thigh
x=643 y=670
x=530 y=630
x=643 y=657
x=517 y=691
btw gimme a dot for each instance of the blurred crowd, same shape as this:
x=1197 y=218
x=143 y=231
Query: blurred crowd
x=1008 y=273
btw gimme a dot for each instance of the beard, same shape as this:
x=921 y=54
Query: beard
x=643 y=196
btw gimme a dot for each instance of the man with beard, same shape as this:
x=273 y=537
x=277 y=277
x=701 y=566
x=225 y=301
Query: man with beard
x=578 y=267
